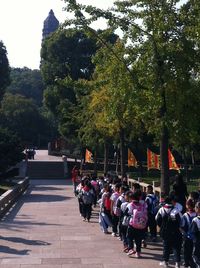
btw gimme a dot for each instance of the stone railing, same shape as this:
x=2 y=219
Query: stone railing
x=10 y=197
x=143 y=185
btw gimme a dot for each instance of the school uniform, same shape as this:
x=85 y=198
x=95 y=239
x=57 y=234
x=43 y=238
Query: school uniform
x=87 y=204
x=170 y=233
x=115 y=217
x=187 y=239
x=195 y=232
x=152 y=202
x=135 y=234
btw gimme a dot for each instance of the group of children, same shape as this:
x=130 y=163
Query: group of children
x=134 y=215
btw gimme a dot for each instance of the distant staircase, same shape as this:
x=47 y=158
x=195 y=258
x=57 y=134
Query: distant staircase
x=45 y=169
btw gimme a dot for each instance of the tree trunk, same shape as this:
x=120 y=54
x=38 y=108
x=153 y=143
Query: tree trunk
x=106 y=152
x=193 y=158
x=165 y=183
x=117 y=161
x=122 y=153
x=95 y=161
x=185 y=164
x=82 y=158
x=140 y=168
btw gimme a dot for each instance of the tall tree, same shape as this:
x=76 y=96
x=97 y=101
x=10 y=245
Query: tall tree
x=22 y=117
x=65 y=57
x=108 y=110
x=4 y=69
x=28 y=83
x=161 y=58
x=10 y=149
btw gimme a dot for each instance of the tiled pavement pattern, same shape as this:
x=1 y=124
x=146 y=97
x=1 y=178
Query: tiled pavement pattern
x=44 y=230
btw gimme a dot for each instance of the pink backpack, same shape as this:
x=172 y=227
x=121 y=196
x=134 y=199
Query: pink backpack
x=139 y=217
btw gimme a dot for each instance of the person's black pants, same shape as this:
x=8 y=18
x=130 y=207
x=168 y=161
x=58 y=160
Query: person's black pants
x=115 y=220
x=137 y=235
x=123 y=234
x=80 y=203
x=152 y=225
x=172 y=244
x=87 y=211
x=187 y=252
x=196 y=254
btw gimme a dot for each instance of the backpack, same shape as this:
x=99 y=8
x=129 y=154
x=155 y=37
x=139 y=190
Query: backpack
x=117 y=210
x=189 y=223
x=87 y=197
x=153 y=204
x=169 y=226
x=139 y=217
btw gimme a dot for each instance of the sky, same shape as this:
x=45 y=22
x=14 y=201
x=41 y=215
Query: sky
x=21 y=24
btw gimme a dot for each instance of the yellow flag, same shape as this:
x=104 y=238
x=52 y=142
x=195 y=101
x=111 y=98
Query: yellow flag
x=88 y=156
x=153 y=160
x=172 y=161
x=132 y=162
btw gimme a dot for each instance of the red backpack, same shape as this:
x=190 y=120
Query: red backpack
x=107 y=203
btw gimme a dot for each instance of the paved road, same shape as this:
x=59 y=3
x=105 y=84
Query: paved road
x=42 y=155
x=44 y=230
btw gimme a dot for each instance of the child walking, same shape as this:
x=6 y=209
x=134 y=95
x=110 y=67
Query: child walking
x=195 y=231
x=124 y=221
x=114 y=209
x=137 y=224
x=187 y=237
x=152 y=203
x=169 y=220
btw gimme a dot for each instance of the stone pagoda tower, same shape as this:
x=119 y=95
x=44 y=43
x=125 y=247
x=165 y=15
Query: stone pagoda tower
x=51 y=24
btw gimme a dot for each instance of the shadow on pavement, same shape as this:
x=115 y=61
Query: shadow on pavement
x=45 y=198
x=9 y=250
x=47 y=188
x=25 y=241
x=11 y=224
x=28 y=197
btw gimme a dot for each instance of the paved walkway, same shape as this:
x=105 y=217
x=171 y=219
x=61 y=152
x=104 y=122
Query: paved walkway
x=42 y=155
x=44 y=230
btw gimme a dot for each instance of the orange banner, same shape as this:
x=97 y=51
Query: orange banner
x=172 y=161
x=132 y=162
x=88 y=156
x=153 y=160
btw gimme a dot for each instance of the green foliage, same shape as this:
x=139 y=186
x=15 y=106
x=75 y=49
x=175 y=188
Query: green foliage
x=28 y=83
x=161 y=50
x=162 y=43
x=4 y=69
x=66 y=57
x=67 y=53
x=22 y=117
x=10 y=149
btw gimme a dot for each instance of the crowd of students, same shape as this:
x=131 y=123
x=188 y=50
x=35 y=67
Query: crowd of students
x=134 y=216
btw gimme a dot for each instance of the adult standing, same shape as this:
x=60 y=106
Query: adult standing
x=180 y=190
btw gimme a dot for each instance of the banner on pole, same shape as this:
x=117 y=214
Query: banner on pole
x=88 y=156
x=153 y=160
x=132 y=162
x=172 y=161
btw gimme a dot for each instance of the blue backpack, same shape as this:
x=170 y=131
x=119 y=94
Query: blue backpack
x=153 y=204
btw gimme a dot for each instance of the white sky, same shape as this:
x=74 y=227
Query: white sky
x=21 y=24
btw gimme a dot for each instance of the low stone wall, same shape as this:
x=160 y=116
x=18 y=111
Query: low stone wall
x=10 y=197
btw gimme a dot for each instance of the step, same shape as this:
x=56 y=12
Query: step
x=45 y=169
